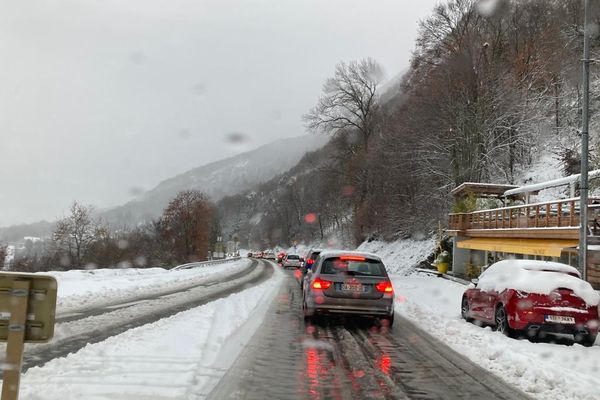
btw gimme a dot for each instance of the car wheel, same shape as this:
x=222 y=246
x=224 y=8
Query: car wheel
x=502 y=322
x=586 y=340
x=464 y=309
x=305 y=311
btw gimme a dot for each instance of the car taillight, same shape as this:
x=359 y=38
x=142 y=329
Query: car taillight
x=384 y=287
x=321 y=284
x=310 y=261
x=352 y=258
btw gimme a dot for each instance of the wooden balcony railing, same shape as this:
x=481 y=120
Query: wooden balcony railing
x=553 y=214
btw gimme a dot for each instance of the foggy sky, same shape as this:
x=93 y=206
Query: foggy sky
x=100 y=99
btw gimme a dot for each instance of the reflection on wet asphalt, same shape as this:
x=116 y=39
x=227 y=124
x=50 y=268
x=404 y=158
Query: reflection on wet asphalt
x=350 y=358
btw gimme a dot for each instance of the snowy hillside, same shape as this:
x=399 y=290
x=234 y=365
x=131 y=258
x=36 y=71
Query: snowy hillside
x=221 y=178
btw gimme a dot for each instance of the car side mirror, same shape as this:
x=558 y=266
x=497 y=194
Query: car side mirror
x=475 y=281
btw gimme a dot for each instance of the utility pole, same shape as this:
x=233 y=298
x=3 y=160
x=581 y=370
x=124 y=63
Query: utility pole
x=583 y=207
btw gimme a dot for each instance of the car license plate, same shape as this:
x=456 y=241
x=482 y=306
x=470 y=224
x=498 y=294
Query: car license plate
x=348 y=287
x=559 y=319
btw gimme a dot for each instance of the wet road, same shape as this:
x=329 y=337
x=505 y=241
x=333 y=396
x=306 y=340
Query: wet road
x=95 y=326
x=350 y=359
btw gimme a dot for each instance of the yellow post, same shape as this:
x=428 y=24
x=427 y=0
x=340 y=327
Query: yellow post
x=442 y=267
x=11 y=375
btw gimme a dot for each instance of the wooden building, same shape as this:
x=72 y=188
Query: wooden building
x=519 y=228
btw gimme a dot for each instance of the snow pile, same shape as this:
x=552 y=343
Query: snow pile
x=80 y=289
x=532 y=276
x=546 y=168
x=402 y=255
x=545 y=371
x=180 y=357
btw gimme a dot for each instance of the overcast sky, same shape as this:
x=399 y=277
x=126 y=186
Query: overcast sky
x=102 y=98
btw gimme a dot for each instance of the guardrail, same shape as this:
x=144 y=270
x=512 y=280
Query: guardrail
x=203 y=263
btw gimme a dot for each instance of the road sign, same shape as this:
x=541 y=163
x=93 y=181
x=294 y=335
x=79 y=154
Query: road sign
x=41 y=305
x=27 y=314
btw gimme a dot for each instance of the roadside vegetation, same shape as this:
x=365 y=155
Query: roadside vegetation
x=492 y=86
x=185 y=233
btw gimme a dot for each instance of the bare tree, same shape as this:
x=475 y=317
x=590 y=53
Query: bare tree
x=75 y=233
x=186 y=223
x=349 y=103
x=2 y=256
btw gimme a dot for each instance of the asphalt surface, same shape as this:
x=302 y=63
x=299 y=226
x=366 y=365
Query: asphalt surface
x=141 y=312
x=350 y=359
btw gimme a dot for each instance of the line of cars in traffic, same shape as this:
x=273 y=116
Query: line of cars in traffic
x=519 y=298
x=341 y=282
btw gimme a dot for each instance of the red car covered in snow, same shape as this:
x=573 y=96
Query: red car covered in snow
x=533 y=298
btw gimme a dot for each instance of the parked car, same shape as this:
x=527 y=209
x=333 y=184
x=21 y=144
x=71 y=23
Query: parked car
x=348 y=282
x=250 y=255
x=291 y=261
x=258 y=254
x=533 y=298
x=269 y=256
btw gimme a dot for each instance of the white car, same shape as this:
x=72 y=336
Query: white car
x=291 y=261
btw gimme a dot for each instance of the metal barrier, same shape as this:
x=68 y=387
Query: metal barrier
x=204 y=263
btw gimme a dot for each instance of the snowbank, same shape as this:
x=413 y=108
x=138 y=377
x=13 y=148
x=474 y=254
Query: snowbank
x=180 y=357
x=543 y=370
x=81 y=289
x=400 y=256
x=536 y=277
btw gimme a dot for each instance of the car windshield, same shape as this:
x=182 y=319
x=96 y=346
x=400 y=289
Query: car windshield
x=365 y=267
x=398 y=150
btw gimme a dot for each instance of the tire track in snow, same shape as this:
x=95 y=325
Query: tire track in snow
x=97 y=328
x=351 y=358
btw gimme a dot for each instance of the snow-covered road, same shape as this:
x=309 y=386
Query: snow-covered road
x=350 y=358
x=543 y=370
x=179 y=357
x=97 y=324
x=189 y=339
x=80 y=290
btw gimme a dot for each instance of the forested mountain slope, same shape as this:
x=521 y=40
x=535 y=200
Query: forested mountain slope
x=492 y=92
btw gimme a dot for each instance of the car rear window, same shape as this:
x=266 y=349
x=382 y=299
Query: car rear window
x=353 y=267
x=293 y=257
x=314 y=255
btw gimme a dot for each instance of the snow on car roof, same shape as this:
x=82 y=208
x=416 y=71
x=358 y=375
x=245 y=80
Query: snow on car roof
x=533 y=276
x=537 y=265
x=337 y=253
